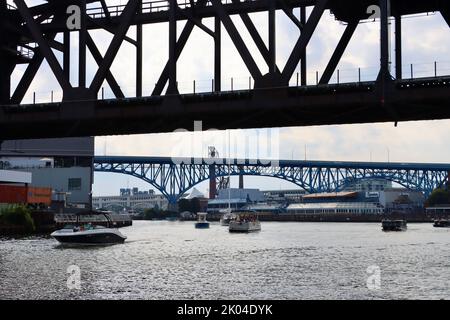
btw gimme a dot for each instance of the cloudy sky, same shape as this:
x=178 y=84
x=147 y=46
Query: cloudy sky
x=426 y=39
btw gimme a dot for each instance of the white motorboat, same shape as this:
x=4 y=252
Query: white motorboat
x=85 y=234
x=88 y=235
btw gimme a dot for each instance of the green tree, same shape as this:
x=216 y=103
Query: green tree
x=438 y=197
x=18 y=216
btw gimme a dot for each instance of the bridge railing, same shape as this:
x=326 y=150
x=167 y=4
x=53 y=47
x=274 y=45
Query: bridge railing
x=97 y=12
x=243 y=83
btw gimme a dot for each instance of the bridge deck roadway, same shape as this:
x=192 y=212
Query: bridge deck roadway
x=407 y=100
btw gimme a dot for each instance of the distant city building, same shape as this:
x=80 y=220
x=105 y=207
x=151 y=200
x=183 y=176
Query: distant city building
x=131 y=199
x=369 y=185
x=284 y=196
x=64 y=165
x=134 y=192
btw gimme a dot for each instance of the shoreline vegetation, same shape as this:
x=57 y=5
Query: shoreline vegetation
x=17 y=218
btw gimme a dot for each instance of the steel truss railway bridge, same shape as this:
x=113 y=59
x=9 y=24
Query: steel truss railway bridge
x=173 y=177
x=31 y=35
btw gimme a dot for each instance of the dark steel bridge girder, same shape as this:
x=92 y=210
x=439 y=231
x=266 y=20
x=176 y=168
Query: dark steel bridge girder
x=338 y=104
x=383 y=91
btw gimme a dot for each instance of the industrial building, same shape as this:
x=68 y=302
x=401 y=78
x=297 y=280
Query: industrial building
x=15 y=189
x=64 y=165
x=235 y=199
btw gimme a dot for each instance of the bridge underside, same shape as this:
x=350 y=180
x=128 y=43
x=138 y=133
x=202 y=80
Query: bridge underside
x=426 y=99
x=32 y=34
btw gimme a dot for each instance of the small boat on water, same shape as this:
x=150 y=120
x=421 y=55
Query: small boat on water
x=245 y=222
x=88 y=234
x=394 y=225
x=441 y=223
x=201 y=221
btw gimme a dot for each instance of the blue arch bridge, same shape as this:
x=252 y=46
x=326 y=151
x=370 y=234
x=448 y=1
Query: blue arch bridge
x=173 y=177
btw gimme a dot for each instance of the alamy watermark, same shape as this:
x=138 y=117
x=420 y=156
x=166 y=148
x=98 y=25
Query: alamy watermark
x=241 y=147
x=374 y=280
x=74 y=20
x=74 y=279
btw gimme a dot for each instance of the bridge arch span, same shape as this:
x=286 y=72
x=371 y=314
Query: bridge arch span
x=173 y=178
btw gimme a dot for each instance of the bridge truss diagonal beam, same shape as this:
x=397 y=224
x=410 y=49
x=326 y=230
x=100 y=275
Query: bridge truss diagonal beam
x=237 y=40
x=337 y=54
x=99 y=60
x=43 y=45
x=303 y=40
x=180 y=44
x=28 y=76
x=116 y=42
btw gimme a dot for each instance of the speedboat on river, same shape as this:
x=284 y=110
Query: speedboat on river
x=85 y=234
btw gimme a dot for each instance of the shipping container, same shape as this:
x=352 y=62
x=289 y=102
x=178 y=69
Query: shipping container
x=25 y=195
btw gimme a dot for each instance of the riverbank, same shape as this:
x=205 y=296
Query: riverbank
x=45 y=222
x=357 y=218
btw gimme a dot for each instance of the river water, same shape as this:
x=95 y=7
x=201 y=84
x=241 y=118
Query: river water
x=173 y=260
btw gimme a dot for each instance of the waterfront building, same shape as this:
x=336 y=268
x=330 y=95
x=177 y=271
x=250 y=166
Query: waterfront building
x=64 y=165
x=266 y=208
x=344 y=202
x=402 y=200
x=284 y=196
x=234 y=198
x=335 y=208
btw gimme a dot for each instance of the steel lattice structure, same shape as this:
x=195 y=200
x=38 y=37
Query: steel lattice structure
x=30 y=35
x=174 y=177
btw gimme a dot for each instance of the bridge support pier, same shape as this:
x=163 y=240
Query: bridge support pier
x=212 y=182
x=139 y=55
x=272 y=38
x=303 y=62
x=217 y=54
x=447 y=185
x=82 y=47
x=172 y=88
x=385 y=43
x=398 y=47
x=6 y=64
x=241 y=181
x=385 y=81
